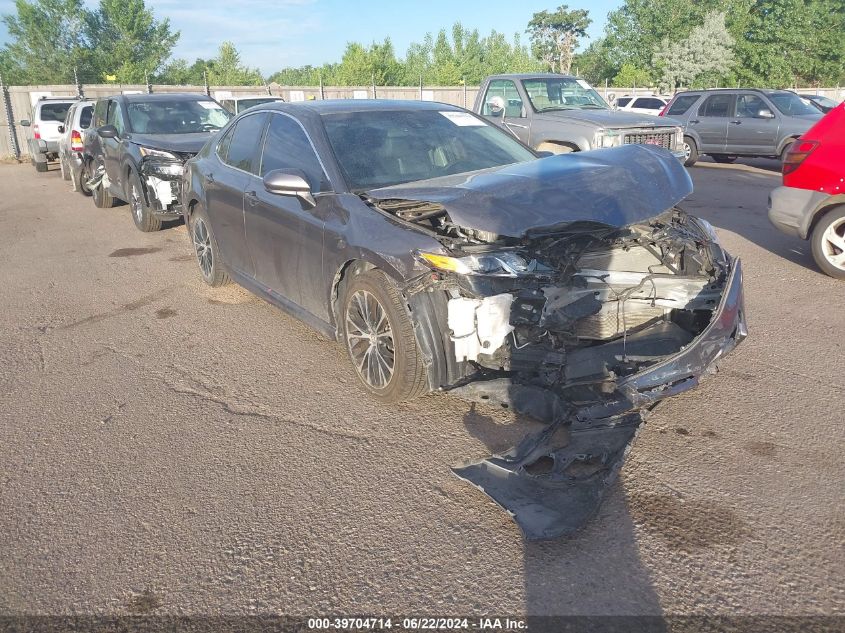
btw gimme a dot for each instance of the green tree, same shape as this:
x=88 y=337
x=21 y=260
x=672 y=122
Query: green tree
x=704 y=57
x=227 y=70
x=46 y=42
x=554 y=35
x=630 y=75
x=128 y=41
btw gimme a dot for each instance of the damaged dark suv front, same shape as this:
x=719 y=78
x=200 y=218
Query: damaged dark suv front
x=139 y=147
x=447 y=256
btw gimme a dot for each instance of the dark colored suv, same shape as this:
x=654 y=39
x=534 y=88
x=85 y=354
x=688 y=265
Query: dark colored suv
x=728 y=123
x=140 y=147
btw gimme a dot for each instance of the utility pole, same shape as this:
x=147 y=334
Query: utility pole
x=322 y=90
x=205 y=78
x=79 y=92
x=147 y=81
x=374 y=85
x=420 y=86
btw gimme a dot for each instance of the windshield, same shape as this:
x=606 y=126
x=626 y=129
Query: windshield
x=243 y=104
x=176 y=117
x=824 y=101
x=380 y=148
x=563 y=93
x=791 y=104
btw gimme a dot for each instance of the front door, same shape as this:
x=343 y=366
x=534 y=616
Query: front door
x=711 y=122
x=749 y=132
x=285 y=236
x=503 y=106
x=111 y=149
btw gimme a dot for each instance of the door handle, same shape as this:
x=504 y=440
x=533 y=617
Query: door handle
x=251 y=198
x=737 y=122
x=695 y=121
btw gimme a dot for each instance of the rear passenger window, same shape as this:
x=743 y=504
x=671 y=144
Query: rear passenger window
x=54 y=111
x=85 y=117
x=717 y=105
x=244 y=142
x=623 y=101
x=681 y=104
x=287 y=147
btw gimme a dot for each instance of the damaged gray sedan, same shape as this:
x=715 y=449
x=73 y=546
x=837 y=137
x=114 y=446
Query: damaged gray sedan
x=445 y=255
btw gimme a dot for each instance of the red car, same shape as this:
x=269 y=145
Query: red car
x=811 y=202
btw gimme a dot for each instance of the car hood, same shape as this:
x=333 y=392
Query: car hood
x=187 y=143
x=610 y=118
x=617 y=187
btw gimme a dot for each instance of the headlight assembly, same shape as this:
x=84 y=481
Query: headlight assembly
x=157 y=153
x=499 y=264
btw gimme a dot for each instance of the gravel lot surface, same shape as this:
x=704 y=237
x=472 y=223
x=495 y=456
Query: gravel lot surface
x=172 y=448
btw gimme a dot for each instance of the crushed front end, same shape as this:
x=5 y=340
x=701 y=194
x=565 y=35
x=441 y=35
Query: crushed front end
x=161 y=178
x=584 y=326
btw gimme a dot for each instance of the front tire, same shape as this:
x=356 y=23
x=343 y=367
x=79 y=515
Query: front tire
x=690 y=152
x=379 y=338
x=206 y=250
x=828 y=243
x=65 y=168
x=102 y=198
x=144 y=218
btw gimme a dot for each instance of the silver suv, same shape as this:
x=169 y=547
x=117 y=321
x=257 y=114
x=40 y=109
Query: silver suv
x=48 y=115
x=728 y=123
x=72 y=145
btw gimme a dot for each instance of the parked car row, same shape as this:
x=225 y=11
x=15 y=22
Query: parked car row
x=445 y=254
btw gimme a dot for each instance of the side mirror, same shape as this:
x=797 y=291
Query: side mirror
x=765 y=113
x=497 y=106
x=61 y=129
x=107 y=131
x=290 y=182
x=25 y=123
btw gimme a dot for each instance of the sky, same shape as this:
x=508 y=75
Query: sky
x=273 y=34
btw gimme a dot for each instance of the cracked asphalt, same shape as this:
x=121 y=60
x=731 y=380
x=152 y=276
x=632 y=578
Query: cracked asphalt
x=166 y=447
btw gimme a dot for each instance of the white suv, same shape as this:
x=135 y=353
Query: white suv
x=647 y=104
x=48 y=115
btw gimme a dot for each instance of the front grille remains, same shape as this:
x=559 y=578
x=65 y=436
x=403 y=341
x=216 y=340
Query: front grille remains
x=660 y=139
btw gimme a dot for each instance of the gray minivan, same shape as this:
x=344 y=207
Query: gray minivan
x=728 y=123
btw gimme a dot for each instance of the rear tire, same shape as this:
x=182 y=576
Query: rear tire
x=690 y=152
x=828 y=243
x=144 y=218
x=379 y=338
x=65 y=169
x=723 y=158
x=41 y=167
x=206 y=249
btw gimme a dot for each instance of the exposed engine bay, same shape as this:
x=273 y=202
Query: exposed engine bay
x=161 y=181
x=572 y=326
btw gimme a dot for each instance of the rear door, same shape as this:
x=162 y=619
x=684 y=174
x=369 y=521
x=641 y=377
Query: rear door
x=750 y=133
x=285 y=237
x=711 y=122
x=111 y=147
x=227 y=176
x=50 y=116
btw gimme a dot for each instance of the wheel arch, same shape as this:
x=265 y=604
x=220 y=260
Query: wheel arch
x=831 y=204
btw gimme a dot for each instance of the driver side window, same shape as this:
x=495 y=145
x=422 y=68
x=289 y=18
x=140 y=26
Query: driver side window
x=115 y=117
x=507 y=92
x=749 y=106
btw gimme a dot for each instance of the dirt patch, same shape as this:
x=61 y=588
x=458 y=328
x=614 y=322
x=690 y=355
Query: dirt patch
x=182 y=258
x=133 y=252
x=686 y=524
x=762 y=449
x=165 y=313
x=681 y=431
x=144 y=602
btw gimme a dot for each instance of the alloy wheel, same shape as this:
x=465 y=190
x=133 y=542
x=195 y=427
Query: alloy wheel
x=833 y=244
x=202 y=245
x=370 y=339
x=135 y=203
x=687 y=150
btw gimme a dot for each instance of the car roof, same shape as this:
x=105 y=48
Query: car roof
x=239 y=97
x=331 y=106
x=163 y=96
x=767 y=91
x=531 y=76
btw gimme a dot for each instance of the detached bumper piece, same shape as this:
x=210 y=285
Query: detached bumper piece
x=554 y=481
